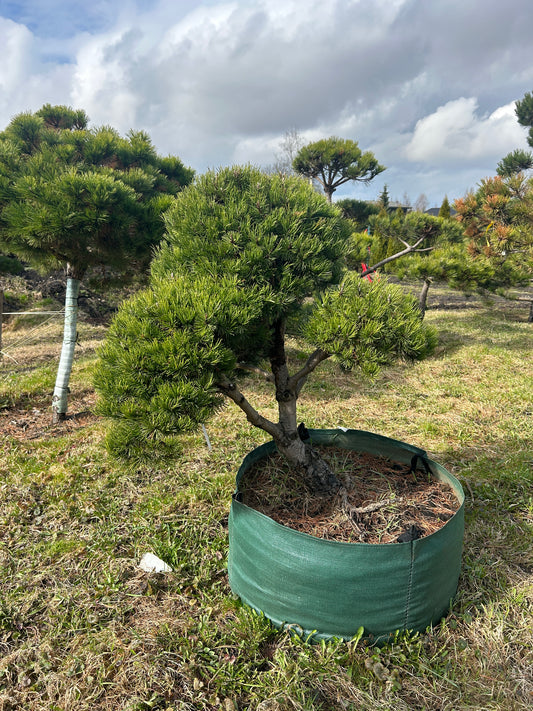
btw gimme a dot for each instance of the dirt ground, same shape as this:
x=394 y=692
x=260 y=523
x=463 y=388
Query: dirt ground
x=35 y=423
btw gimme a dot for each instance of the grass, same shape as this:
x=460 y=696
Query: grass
x=82 y=628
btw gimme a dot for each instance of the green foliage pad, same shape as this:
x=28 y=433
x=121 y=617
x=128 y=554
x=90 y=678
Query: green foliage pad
x=245 y=252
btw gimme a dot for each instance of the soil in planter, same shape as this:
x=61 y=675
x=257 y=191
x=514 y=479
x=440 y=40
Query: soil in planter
x=380 y=502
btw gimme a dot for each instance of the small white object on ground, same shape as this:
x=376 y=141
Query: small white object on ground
x=152 y=564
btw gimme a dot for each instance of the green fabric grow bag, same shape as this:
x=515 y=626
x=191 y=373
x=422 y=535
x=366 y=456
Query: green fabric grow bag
x=329 y=588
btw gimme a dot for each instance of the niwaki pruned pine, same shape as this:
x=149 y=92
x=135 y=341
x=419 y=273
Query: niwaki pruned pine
x=245 y=252
x=84 y=200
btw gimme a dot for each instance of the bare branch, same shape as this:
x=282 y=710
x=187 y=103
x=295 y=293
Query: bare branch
x=410 y=248
x=418 y=241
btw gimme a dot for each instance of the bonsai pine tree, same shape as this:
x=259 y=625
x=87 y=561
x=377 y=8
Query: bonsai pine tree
x=427 y=248
x=417 y=246
x=79 y=198
x=244 y=251
x=335 y=161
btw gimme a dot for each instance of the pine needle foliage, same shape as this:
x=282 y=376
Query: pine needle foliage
x=368 y=325
x=498 y=223
x=244 y=252
x=165 y=349
x=273 y=232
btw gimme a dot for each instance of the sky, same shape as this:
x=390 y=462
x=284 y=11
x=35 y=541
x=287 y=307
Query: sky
x=428 y=86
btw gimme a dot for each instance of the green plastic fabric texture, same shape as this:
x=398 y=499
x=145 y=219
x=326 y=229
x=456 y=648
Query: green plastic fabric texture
x=324 y=589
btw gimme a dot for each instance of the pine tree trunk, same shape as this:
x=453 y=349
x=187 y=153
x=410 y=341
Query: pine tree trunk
x=315 y=472
x=59 y=399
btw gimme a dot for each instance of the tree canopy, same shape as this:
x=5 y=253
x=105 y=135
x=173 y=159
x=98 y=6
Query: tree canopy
x=498 y=222
x=244 y=252
x=334 y=161
x=76 y=198
x=518 y=161
x=383 y=198
x=445 y=210
x=524 y=114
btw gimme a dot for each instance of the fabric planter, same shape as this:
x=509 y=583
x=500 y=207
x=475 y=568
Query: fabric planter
x=323 y=588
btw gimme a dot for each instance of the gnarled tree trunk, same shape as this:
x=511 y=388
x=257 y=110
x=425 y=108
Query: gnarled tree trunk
x=316 y=473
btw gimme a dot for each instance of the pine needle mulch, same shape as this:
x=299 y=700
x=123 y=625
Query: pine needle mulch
x=380 y=502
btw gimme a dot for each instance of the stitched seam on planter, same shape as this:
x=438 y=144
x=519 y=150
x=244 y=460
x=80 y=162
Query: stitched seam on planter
x=409 y=585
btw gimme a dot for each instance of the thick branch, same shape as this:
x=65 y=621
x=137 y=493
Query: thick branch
x=423 y=298
x=332 y=172
x=232 y=391
x=410 y=248
x=342 y=180
x=297 y=381
x=322 y=179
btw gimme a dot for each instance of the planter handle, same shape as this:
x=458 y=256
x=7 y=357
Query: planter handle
x=425 y=464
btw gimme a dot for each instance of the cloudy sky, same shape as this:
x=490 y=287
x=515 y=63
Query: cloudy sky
x=428 y=85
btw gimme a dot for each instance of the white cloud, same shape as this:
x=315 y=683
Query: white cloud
x=102 y=81
x=220 y=81
x=455 y=133
x=27 y=78
x=16 y=43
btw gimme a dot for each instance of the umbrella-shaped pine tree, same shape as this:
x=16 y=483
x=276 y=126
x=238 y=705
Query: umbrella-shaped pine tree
x=245 y=250
x=79 y=198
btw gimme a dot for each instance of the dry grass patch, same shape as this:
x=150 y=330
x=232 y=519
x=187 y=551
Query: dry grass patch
x=83 y=629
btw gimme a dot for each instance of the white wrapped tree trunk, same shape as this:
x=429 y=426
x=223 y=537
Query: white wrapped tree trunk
x=59 y=400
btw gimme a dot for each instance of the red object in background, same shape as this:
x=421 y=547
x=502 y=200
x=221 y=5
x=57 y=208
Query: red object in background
x=364 y=268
